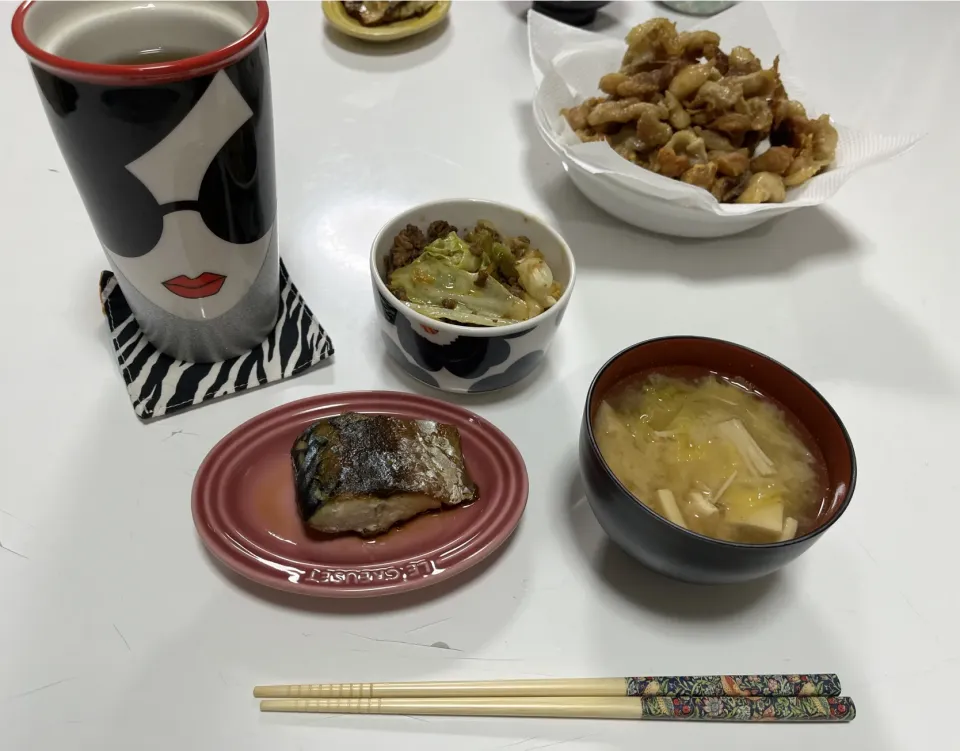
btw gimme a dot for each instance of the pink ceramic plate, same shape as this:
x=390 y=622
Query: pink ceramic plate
x=244 y=505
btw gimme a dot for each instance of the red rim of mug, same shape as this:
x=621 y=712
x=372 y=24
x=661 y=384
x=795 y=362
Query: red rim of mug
x=177 y=70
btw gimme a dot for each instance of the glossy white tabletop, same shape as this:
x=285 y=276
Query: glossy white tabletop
x=117 y=632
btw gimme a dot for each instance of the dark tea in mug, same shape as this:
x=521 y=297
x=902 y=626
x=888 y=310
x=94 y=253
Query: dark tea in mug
x=163 y=114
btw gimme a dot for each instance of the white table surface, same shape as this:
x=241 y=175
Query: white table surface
x=118 y=632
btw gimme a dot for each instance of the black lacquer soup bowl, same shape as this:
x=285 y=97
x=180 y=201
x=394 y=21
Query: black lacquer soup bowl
x=674 y=550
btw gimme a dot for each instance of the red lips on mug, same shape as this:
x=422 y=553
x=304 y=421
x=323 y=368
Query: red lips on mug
x=205 y=285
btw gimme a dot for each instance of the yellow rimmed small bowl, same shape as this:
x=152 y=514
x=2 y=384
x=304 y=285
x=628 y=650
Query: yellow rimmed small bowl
x=337 y=15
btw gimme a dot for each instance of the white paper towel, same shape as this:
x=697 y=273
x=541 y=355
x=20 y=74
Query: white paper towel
x=567 y=63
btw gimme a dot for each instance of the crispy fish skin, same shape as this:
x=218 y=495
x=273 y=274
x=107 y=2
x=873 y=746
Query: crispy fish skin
x=365 y=473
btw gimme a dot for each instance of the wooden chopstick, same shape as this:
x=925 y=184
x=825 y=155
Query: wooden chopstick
x=826 y=684
x=714 y=708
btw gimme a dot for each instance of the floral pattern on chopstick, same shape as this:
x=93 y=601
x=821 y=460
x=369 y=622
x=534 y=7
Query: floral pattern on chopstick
x=750 y=709
x=824 y=684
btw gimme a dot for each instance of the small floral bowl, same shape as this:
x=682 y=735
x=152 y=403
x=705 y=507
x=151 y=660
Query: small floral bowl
x=469 y=359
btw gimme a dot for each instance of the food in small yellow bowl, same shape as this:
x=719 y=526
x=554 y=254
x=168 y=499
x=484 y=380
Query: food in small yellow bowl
x=385 y=21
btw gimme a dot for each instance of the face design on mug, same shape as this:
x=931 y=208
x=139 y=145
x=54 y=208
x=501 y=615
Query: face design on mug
x=190 y=271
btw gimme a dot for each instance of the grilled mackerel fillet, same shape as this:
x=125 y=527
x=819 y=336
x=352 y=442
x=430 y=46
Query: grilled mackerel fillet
x=365 y=473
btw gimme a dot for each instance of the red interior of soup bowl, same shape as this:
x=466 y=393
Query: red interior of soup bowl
x=797 y=397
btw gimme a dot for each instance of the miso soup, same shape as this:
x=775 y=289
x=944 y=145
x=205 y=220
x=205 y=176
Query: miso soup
x=714 y=455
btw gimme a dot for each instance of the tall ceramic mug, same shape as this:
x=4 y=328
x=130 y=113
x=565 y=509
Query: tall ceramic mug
x=162 y=112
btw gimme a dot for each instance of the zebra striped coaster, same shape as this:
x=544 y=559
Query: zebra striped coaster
x=159 y=385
